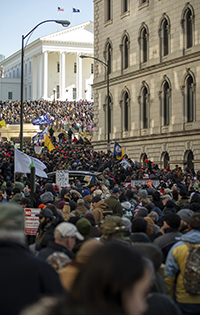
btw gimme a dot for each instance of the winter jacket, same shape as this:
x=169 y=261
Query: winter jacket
x=98 y=210
x=52 y=248
x=115 y=205
x=157 y=201
x=182 y=202
x=80 y=211
x=175 y=266
x=167 y=240
x=127 y=208
x=24 y=278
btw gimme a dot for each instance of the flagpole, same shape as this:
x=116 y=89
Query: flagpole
x=57 y=18
x=72 y=18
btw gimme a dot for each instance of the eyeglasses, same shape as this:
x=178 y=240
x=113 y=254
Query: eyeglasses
x=41 y=217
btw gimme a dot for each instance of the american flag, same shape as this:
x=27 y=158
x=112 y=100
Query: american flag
x=60 y=9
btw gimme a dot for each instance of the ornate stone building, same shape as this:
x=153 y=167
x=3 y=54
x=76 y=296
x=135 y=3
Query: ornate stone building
x=152 y=48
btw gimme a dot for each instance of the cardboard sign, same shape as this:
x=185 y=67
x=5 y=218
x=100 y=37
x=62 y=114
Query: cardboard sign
x=31 y=221
x=62 y=178
x=142 y=182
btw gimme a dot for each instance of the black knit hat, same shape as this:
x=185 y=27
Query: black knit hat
x=173 y=220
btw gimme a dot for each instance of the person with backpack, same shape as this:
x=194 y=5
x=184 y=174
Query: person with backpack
x=183 y=269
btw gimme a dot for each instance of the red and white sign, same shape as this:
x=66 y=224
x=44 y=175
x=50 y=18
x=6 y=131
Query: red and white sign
x=31 y=221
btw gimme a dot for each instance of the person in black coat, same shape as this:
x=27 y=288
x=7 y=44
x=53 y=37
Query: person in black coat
x=24 y=277
x=157 y=201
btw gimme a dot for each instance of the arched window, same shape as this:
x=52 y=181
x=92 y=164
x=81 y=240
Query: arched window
x=108 y=56
x=164 y=159
x=145 y=109
x=189 y=98
x=143 y=100
x=189 y=159
x=187 y=23
x=143 y=40
x=164 y=35
x=188 y=90
x=126 y=52
x=126 y=99
x=165 y=38
x=125 y=110
x=144 y=45
x=166 y=103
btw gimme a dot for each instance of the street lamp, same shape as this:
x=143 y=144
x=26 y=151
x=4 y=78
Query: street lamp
x=108 y=96
x=54 y=95
x=64 y=23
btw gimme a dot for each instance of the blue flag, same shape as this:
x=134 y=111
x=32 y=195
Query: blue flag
x=42 y=120
x=40 y=135
x=118 y=151
x=76 y=10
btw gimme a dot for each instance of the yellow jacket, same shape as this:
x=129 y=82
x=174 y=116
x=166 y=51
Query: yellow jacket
x=175 y=266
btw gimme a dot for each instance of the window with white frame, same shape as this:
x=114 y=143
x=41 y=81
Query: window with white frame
x=92 y=68
x=29 y=92
x=58 y=91
x=10 y=94
x=74 y=93
x=75 y=67
x=25 y=93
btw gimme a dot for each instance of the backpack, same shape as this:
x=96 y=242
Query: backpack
x=191 y=276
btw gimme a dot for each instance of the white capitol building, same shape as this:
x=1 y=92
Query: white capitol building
x=52 y=67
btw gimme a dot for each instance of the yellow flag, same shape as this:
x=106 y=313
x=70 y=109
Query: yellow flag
x=2 y=124
x=120 y=157
x=49 y=144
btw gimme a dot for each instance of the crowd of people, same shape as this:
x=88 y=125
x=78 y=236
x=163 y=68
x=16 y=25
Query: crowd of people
x=79 y=114
x=113 y=247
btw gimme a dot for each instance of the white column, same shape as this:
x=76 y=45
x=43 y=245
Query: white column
x=38 y=76
x=62 y=76
x=79 y=85
x=44 y=74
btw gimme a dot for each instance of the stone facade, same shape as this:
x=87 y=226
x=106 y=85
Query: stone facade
x=154 y=54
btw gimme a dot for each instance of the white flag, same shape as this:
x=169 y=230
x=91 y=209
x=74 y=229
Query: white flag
x=23 y=162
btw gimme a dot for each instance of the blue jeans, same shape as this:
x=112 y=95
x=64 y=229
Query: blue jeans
x=189 y=309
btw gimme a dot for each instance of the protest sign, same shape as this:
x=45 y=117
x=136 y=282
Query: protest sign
x=31 y=221
x=62 y=178
x=143 y=182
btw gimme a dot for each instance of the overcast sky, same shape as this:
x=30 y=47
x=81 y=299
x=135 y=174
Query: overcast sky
x=18 y=17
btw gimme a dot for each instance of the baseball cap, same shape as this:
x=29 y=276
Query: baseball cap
x=115 y=190
x=47 y=213
x=167 y=196
x=67 y=229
